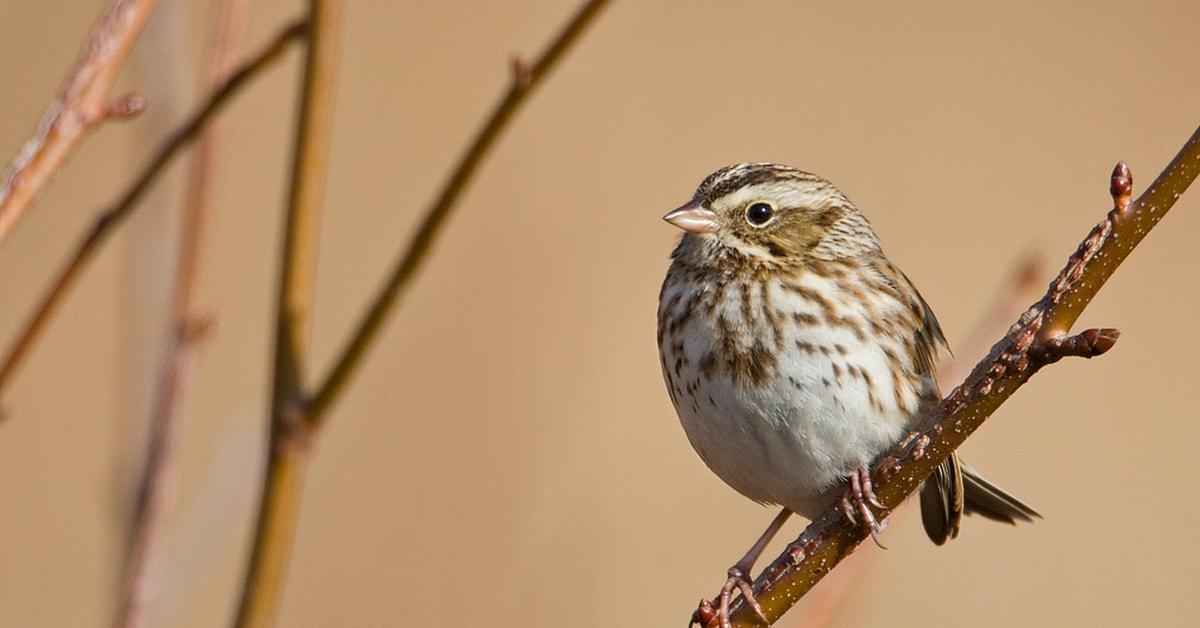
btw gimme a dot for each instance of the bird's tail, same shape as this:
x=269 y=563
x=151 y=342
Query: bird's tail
x=956 y=489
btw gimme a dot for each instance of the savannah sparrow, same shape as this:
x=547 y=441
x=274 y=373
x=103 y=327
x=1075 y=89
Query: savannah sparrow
x=795 y=353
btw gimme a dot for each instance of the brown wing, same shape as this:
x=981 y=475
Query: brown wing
x=943 y=501
x=943 y=497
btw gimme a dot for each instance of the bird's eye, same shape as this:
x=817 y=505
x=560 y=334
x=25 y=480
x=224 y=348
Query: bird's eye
x=759 y=213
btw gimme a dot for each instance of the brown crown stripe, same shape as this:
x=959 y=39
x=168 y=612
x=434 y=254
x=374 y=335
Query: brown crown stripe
x=733 y=178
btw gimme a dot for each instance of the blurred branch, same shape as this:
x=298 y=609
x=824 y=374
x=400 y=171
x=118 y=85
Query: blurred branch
x=525 y=79
x=81 y=105
x=1038 y=338
x=122 y=208
x=1022 y=285
x=289 y=449
x=295 y=418
x=189 y=325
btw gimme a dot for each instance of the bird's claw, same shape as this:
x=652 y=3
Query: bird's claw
x=707 y=616
x=857 y=502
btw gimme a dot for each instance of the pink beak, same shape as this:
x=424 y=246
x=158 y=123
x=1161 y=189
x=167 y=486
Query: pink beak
x=694 y=218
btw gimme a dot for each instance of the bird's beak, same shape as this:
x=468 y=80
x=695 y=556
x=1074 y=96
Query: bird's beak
x=694 y=218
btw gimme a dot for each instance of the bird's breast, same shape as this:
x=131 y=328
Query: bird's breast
x=783 y=384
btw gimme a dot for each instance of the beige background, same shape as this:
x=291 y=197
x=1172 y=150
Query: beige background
x=508 y=455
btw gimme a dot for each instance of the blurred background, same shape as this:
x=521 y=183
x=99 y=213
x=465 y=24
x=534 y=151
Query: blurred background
x=509 y=454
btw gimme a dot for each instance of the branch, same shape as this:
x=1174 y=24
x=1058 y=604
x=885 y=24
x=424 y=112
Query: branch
x=296 y=419
x=159 y=475
x=1038 y=338
x=288 y=453
x=525 y=79
x=82 y=104
x=125 y=205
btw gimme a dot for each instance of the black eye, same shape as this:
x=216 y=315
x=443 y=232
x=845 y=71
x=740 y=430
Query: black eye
x=759 y=213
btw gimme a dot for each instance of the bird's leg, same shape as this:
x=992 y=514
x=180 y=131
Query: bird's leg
x=739 y=578
x=858 y=499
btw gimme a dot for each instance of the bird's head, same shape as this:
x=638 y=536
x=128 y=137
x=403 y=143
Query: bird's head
x=770 y=213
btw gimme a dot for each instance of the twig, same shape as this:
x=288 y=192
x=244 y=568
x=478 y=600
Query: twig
x=295 y=418
x=288 y=448
x=1038 y=338
x=81 y=105
x=159 y=475
x=525 y=79
x=121 y=209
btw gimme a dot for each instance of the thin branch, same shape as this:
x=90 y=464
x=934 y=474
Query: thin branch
x=525 y=79
x=159 y=477
x=288 y=453
x=122 y=208
x=1038 y=338
x=81 y=105
x=294 y=419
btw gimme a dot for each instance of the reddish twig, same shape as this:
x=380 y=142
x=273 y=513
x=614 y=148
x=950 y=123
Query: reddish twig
x=113 y=216
x=159 y=473
x=1039 y=337
x=82 y=104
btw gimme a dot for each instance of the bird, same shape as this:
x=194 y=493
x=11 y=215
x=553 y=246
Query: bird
x=795 y=353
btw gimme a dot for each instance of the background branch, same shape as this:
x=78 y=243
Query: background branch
x=525 y=79
x=113 y=216
x=295 y=419
x=288 y=450
x=1037 y=339
x=82 y=104
x=156 y=494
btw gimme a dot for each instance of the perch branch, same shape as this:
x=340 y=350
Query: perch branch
x=189 y=324
x=81 y=105
x=122 y=208
x=1038 y=338
x=525 y=79
x=288 y=447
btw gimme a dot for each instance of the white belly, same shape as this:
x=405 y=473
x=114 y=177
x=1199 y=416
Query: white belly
x=822 y=402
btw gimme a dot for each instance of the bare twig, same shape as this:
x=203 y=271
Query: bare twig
x=121 y=209
x=288 y=450
x=159 y=474
x=1038 y=338
x=525 y=79
x=295 y=418
x=82 y=104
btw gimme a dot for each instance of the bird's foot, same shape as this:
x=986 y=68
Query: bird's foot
x=918 y=443
x=857 y=502
x=707 y=615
